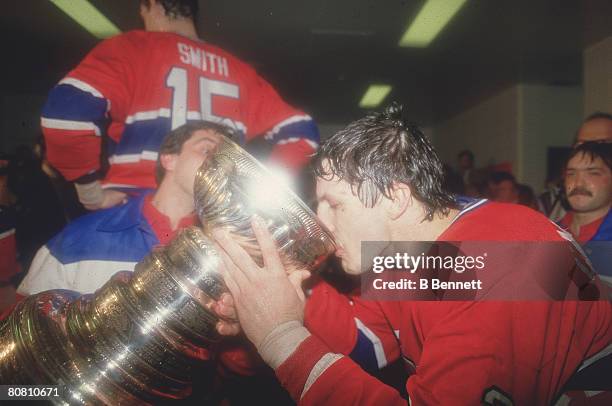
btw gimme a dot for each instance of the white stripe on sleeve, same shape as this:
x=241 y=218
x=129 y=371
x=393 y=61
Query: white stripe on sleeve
x=321 y=366
x=79 y=84
x=57 y=124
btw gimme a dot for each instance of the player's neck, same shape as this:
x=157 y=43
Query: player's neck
x=581 y=219
x=183 y=27
x=173 y=202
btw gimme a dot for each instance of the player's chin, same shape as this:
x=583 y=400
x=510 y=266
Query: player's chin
x=581 y=203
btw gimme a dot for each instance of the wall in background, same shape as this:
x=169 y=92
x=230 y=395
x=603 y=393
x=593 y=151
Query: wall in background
x=516 y=125
x=549 y=117
x=598 y=77
x=488 y=129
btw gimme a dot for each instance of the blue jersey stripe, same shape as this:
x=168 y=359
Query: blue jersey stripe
x=145 y=135
x=66 y=102
x=303 y=129
x=363 y=353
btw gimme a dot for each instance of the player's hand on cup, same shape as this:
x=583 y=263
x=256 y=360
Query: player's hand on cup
x=263 y=297
x=228 y=325
x=226 y=309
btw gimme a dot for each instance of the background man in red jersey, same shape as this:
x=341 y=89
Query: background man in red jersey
x=379 y=179
x=136 y=87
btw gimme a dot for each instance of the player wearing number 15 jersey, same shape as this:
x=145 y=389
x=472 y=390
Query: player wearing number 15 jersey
x=138 y=86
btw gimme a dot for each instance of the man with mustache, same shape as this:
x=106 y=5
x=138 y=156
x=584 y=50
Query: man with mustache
x=588 y=183
x=597 y=127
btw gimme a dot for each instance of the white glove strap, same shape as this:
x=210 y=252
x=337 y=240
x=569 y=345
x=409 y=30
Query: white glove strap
x=281 y=342
x=90 y=194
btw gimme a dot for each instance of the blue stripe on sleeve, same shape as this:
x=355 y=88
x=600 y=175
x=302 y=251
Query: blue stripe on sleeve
x=66 y=102
x=363 y=353
x=143 y=135
x=147 y=135
x=306 y=129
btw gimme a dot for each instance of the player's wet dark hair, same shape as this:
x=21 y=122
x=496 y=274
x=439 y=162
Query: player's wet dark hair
x=593 y=150
x=373 y=153
x=177 y=8
x=174 y=140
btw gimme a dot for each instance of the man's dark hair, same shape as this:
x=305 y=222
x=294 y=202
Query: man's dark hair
x=374 y=152
x=500 y=176
x=177 y=8
x=593 y=150
x=468 y=153
x=174 y=140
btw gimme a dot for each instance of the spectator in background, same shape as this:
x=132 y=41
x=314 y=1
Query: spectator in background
x=137 y=86
x=552 y=202
x=526 y=197
x=597 y=127
x=465 y=162
x=588 y=182
x=465 y=165
x=503 y=188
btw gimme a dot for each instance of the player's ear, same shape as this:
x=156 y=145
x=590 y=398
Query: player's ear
x=401 y=200
x=168 y=161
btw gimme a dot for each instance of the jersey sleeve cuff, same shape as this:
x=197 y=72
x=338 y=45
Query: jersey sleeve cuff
x=309 y=360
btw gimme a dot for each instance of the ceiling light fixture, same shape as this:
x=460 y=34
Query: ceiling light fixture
x=88 y=17
x=429 y=22
x=374 y=95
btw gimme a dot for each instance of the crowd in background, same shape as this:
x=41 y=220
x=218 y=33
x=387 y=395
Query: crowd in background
x=501 y=185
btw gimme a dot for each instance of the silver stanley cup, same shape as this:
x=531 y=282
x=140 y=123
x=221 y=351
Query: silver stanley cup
x=140 y=337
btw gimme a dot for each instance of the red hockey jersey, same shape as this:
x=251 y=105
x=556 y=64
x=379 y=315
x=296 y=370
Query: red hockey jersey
x=138 y=86
x=510 y=352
